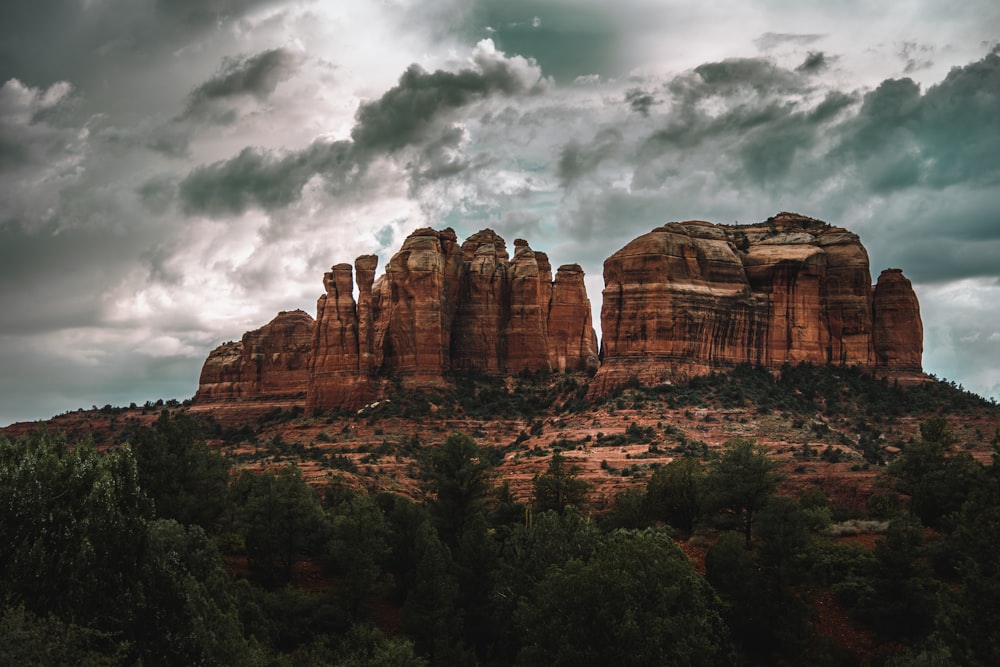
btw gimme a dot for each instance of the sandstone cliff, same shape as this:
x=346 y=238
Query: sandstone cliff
x=685 y=299
x=898 y=332
x=441 y=307
x=690 y=297
x=270 y=362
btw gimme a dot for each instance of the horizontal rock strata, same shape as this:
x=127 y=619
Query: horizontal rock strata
x=690 y=297
x=442 y=307
x=683 y=300
x=270 y=362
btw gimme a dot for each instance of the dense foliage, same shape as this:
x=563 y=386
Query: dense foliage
x=158 y=554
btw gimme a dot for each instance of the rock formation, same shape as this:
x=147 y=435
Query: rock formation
x=898 y=332
x=572 y=342
x=441 y=308
x=336 y=374
x=270 y=362
x=690 y=297
x=685 y=299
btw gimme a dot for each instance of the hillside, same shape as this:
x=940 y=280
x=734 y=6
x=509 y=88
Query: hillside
x=827 y=433
x=833 y=428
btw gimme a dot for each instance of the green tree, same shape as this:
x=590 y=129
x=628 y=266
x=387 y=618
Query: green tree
x=559 y=486
x=768 y=621
x=185 y=478
x=367 y=646
x=970 y=628
x=189 y=614
x=79 y=548
x=28 y=640
x=280 y=519
x=636 y=601
x=358 y=548
x=783 y=533
x=903 y=598
x=432 y=615
x=460 y=476
x=72 y=531
x=549 y=540
x=630 y=510
x=675 y=493
x=937 y=480
x=740 y=481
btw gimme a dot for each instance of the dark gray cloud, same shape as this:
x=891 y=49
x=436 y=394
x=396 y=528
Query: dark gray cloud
x=408 y=114
x=157 y=194
x=261 y=178
x=757 y=102
x=959 y=124
x=61 y=275
x=640 y=101
x=948 y=135
x=257 y=76
x=441 y=157
x=815 y=62
x=916 y=56
x=402 y=115
x=898 y=138
x=771 y=152
x=206 y=13
x=31 y=129
x=771 y=40
x=735 y=74
x=45 y=41
x=577 y=159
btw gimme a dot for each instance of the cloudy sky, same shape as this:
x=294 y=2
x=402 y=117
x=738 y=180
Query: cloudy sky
x=175 y=172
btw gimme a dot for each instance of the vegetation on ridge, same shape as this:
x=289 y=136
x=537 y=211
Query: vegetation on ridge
x=173 y=550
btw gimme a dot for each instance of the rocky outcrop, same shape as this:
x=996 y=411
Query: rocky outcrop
x=270 y=362
x=898 y=332
x=572 y=342
x=685 y=299
x=441 y=308
x=414 y=306
x=691 y=297
x=335 y=369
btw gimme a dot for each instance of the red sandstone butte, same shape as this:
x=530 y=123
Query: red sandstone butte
x=270 y=362
x=690 y=297
x=441 y=308
x=899 y=333
x=685 y=299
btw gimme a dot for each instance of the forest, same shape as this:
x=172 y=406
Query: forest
x=161 y=552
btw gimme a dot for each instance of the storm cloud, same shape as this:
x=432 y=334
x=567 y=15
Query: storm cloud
x=408 y=114
x=256 y=76
x=402 y=115
x=174 y=173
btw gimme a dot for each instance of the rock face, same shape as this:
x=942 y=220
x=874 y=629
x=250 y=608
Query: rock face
x=335 y=369
x=690 y=297
x=440 y=308
x=270 y=362
x=899 y=333
x=685 y=299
